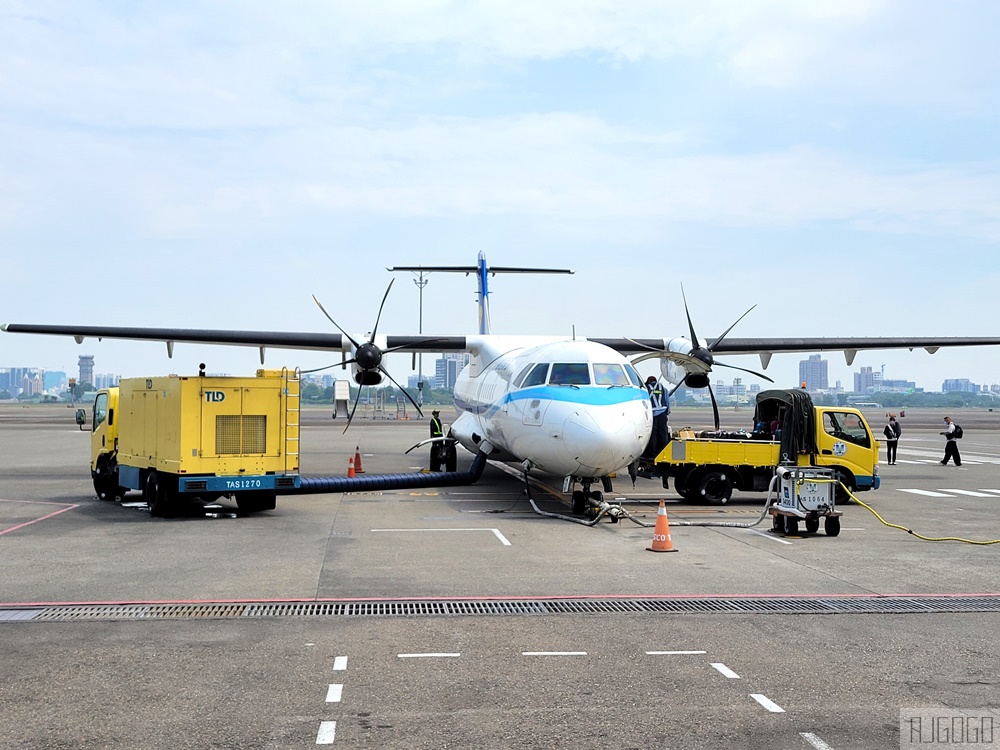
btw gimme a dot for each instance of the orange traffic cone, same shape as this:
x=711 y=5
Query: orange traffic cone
x=357 y=461
x=661 y=533
x=350 y=468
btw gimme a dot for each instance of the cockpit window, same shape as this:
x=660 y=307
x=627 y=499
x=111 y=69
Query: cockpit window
x=633 y=375
x=569 y=373
x=537 y=375
x=609 y=375
x=520 y=376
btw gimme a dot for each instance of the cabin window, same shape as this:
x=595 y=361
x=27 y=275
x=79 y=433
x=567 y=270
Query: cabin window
x=633 y=376
x=100 y=409
x=570 y=373
x=847 y=427
x=520 y=376
x=537 y=375
x=609 y=375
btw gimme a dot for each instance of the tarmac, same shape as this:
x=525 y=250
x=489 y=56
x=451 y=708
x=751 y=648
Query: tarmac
x=457 y=617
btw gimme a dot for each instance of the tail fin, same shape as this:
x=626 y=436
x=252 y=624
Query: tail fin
x=483 y=272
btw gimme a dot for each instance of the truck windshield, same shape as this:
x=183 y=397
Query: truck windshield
x=846 y=426
x=100 y=409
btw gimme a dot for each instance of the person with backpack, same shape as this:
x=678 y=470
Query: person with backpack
x=892 y=432
x=952 y=434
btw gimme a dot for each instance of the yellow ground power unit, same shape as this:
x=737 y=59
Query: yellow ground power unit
x=198 y=438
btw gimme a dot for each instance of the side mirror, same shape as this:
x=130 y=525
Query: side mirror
x=81 y=417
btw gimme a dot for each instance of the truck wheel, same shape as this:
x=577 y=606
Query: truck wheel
x=840 y=496
x=716 y=487
x=680 y=484
x=106 y=479
x=158 y=497
x=832 y=525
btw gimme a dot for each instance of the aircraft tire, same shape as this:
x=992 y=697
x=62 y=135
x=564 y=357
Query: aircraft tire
x=451 y=458
x=579 y=503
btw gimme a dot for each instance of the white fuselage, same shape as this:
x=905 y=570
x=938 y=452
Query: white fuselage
x=569 y=408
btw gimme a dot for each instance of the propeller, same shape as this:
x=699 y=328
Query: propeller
x=701 y=358
x=368 y=358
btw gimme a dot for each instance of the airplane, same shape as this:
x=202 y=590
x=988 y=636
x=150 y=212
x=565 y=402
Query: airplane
x=574 y=408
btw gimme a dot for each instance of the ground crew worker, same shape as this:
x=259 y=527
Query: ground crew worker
x=951 y=444
x=437 y=430
x=659 y=399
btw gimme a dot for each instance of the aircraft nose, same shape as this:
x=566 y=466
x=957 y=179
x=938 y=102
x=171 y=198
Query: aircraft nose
x=603 y=441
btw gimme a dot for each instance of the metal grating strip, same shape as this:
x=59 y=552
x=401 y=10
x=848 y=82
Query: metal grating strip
x=509 y=607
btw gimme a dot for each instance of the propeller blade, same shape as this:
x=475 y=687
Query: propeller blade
x=318 y=369
x=676 y=357
x=694 y=336
x=415 y=404
x=379 y=316
x=643 y=346
x=743 y=369
x=726 y=333
x=351 y=415
x=715 y=407
x=349 y=337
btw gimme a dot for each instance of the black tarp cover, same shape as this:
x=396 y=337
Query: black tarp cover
x=797 y=415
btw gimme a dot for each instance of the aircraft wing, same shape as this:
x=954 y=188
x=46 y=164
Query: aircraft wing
x=765 y=347
x=258 y=339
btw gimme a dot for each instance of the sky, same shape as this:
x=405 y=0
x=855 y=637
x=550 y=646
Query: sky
x=214 y=164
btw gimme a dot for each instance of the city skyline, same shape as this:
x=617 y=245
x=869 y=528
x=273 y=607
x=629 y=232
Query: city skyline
x=213 y=167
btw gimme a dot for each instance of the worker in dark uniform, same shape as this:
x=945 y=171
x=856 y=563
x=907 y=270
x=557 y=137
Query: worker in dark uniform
x=437 y=430
x=659 y=399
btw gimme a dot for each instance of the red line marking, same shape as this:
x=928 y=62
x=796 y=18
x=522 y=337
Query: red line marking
x=35 y=502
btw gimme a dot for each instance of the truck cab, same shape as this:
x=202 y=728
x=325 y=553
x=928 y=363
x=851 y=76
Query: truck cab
x=845 y=443
x=104 y=445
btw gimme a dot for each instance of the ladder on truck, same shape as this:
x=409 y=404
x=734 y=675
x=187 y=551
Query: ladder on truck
x=293 y=417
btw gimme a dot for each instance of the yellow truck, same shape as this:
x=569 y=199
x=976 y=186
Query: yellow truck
x=787 y=430
x=198 y=438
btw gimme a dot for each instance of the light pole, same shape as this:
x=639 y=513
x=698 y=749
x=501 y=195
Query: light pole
x=421 y=282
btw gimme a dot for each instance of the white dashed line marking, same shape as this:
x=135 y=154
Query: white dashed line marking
x=772 y=537
x=671 y=653
x=815 y=741
x=723 y=669
x=927 y=493
x=334 y=693
x=495 y=532
x=340 y=664
x=553 y=653
x=970 y=493
x=435 y=655
x=767 y=703
x=327 y=733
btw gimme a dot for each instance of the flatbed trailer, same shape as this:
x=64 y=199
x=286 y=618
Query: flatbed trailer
x=710 y=465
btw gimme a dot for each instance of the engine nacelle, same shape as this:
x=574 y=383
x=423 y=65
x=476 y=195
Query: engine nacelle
x=365 y=377
x=696 y=380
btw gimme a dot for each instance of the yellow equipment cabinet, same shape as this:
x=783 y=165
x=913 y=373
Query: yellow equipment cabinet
x=710 y=466
x=203 y=437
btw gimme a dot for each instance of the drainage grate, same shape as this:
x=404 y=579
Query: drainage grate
x=494 y=607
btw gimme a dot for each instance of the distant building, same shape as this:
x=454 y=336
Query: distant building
x=446 y=369
x=959 y=385
x=54 y=380
x=86 y=365
x=864 y=381
x=105 y=380
x=813 y=372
